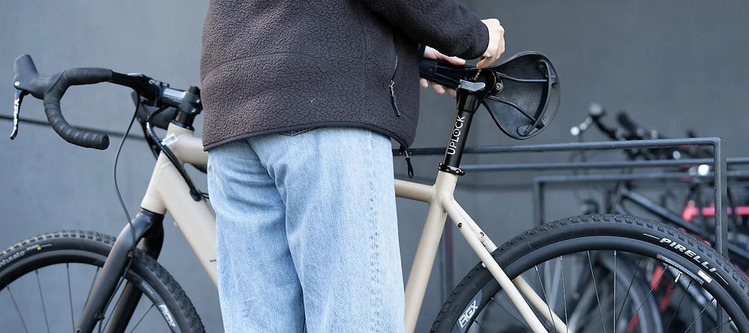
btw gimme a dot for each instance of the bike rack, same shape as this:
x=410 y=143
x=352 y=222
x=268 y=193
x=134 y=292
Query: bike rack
x=719 y=162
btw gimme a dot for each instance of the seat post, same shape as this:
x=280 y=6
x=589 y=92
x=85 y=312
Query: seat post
x=468 y=101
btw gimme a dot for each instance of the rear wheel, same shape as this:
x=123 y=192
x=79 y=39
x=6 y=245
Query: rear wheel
x=606 y=273
x=45 y=280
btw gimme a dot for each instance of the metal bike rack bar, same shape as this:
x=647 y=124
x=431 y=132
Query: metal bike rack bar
x=539 y=183
x=598 y=165
x=719 y=162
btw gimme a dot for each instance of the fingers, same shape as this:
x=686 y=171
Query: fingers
x=438 y=88
x=431 y=53
x=452 y=92
x=452 y=60
x=496 y=43
x=486 y=62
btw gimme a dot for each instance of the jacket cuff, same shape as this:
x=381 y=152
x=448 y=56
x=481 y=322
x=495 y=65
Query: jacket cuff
x=479 y=34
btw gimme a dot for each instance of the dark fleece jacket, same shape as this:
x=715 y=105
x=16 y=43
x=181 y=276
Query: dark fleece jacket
x=276 y=66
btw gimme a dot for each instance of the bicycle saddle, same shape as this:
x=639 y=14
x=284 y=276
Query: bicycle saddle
x=522 y=94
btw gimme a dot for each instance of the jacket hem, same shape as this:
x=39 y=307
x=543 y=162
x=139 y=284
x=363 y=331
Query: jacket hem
x=385 y=132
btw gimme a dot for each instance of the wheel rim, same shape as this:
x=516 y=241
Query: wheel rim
x=593 y=309
x=49 y=292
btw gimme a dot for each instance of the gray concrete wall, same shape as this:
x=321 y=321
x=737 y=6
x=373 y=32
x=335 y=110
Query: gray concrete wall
x=672 y=64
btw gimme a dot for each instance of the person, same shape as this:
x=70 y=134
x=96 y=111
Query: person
x=302 y=99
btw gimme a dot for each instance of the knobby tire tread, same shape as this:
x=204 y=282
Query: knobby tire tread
x=466 y=288
x=141 y=261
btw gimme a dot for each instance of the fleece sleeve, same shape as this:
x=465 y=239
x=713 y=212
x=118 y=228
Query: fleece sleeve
x=446 y=25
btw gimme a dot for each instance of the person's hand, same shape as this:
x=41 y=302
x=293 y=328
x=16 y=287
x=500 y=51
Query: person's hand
x=431 y=53
x=496 y=43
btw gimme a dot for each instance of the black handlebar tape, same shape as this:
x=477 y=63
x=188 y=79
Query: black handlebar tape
x=73 y=77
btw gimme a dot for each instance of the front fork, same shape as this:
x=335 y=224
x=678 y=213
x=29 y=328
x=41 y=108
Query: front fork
x=146 y=226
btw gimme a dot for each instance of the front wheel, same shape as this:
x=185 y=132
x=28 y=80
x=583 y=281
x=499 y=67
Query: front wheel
x=45 y=280
x=605 y=273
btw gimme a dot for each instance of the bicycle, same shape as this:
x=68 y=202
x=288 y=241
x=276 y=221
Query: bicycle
x=691 y=165
x=691 y=207
x=528 y=273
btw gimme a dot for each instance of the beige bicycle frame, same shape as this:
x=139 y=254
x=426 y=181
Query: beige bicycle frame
x=168 y=192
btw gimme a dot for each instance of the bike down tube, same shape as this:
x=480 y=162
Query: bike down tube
x=167 y=191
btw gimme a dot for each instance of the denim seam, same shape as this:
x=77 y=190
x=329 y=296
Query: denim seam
x=375 y=240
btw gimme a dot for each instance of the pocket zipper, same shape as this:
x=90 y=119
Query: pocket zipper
x=392 y=82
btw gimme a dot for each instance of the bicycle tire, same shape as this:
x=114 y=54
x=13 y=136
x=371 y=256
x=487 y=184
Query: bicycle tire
x=683 y=258
x=84 y=251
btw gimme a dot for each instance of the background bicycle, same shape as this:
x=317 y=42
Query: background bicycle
x=162 y=39
x=685 y=200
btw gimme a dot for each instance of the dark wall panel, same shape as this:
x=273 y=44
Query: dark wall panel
x=672 y=64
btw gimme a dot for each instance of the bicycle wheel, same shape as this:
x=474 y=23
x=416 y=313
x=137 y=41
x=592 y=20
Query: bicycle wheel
x=45 y=280
x=604 y=273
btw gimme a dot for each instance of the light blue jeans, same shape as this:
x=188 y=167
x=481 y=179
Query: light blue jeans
x=307 y=233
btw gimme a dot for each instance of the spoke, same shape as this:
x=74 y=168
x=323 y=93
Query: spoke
x=629 y=288
x=585 y=311
x=23 y=322
x=699 y=315
x=685 y=293
x=70 y=297
x=553 y=290
x=721 y=325
x=96 y=274
x=595 y=287
x=152 y=306
x=109 y=317
x=41 y=295
x=546 y=298
x=564 y=297
x=112 y=297
x=511 y=315
x=634 y=315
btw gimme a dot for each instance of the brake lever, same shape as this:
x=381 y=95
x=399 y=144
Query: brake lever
x=20 y=94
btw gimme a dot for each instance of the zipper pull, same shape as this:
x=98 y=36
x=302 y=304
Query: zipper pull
x=410 y=167
x=392 y=98
x=408 y=161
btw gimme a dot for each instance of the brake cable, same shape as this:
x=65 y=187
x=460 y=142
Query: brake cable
x=194 y=192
